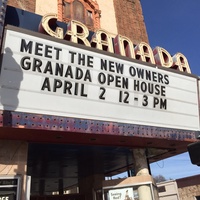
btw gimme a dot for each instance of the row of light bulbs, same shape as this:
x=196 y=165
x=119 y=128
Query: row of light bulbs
x=3 y=11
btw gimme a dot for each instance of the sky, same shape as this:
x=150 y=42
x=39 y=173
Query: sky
x=175 y=26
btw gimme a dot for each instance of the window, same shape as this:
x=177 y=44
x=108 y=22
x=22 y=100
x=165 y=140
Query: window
x=84 y=11
x=67 y=12
x=161 y=189
x=78 y=11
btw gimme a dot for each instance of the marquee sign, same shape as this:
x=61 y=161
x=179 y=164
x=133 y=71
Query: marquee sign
x=50 y=76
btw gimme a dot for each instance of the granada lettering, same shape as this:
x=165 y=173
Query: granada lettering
x=101 y=39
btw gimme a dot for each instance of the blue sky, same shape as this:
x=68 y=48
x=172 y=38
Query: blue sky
x=175 y=167
x=175 y=26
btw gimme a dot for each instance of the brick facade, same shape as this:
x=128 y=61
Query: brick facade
x=28 y=5
x=189 y=193
x=189 y=187
x=130 y=21
x=128 y=14
x=91 y=5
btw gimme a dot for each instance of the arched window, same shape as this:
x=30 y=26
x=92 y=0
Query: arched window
x=78 y=11
x=84 y=11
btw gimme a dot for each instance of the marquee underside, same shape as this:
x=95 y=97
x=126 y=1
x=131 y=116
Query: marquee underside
x=66 y=147
x=62 y=130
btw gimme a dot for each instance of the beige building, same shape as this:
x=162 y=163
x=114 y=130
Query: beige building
x=168 y=190
x=187 y=188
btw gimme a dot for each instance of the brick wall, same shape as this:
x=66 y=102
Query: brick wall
x=189 y=187
x=128 y=13
x=28 y=5
x=188 y=193
x=130 y=21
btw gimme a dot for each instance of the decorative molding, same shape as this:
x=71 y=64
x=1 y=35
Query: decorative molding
x=91 y=5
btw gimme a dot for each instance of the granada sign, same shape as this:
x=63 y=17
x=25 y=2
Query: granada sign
x=101 y=39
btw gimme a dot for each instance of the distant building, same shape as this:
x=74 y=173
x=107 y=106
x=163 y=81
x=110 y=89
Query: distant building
x=189 y=188
x=168 y=190
x=181 y=189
